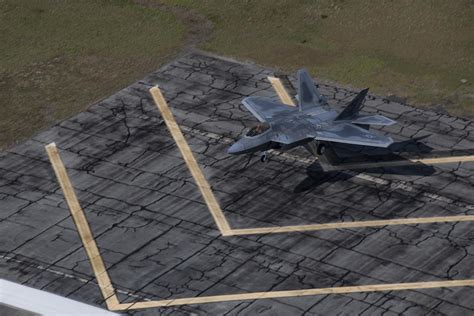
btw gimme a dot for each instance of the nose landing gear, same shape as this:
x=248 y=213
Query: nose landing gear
x=263 y=157
x=321 y=149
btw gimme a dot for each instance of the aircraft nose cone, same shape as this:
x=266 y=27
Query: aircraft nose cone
x=235 y=148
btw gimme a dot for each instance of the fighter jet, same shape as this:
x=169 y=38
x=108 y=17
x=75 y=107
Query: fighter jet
x=311 y=124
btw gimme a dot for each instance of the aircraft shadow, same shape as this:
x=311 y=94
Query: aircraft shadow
x=340 y=155
x=316 y=176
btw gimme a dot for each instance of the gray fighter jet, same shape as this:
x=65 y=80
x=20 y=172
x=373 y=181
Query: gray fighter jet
x=311 y=124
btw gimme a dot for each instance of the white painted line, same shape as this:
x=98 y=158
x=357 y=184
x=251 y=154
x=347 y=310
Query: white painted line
x=44 y=303
x=65 y=275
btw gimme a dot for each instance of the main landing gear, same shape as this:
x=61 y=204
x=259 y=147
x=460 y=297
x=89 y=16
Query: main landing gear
x=263 y=157
x=321 y=149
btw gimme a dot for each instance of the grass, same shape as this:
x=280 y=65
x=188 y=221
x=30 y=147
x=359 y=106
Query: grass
x=420 y=50
x=57 y=57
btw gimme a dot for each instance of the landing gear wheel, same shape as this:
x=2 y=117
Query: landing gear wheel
x=321 y=149
x=263 y=157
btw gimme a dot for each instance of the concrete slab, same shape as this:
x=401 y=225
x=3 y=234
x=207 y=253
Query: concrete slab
x=158 y=239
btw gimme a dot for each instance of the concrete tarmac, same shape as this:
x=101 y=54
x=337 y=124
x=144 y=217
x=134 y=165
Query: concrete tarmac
x=159 y=241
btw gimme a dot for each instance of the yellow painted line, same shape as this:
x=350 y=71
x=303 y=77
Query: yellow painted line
x=83 y=228
x=299 y=293
x=408 y=161
x=281 y=91
x=191 y=162
x=358 y=224
x=444 y=159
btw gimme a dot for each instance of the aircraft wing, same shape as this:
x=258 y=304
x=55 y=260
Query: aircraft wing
x=265 y=109
x=347 y=133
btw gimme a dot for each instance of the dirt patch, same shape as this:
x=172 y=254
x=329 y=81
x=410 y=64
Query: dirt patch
x=198 y=27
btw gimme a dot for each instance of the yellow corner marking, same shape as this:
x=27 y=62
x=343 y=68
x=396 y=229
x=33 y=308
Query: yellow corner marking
x=281 y=91
x=108 y=290
x=83 y=227
x=191 y=162
x=358 y=224
x=219 y=216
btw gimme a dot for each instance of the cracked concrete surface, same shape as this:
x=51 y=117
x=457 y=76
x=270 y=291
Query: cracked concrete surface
x=159 y=241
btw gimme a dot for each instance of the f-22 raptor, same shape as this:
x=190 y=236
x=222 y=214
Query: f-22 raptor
x=311 y=124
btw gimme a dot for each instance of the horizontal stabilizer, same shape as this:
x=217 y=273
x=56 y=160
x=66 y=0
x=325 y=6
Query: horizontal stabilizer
x=373 y=120
x=347 y=133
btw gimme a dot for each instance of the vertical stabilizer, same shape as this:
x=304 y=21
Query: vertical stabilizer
x=308 y=95
x=352 y=110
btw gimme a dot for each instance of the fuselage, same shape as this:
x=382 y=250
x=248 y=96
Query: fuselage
x=284 y=132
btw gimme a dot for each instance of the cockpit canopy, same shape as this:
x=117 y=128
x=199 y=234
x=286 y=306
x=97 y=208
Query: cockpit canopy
x=258 y=129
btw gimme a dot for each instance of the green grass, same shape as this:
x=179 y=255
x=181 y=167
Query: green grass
x=415 y=49
x=57 y=57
